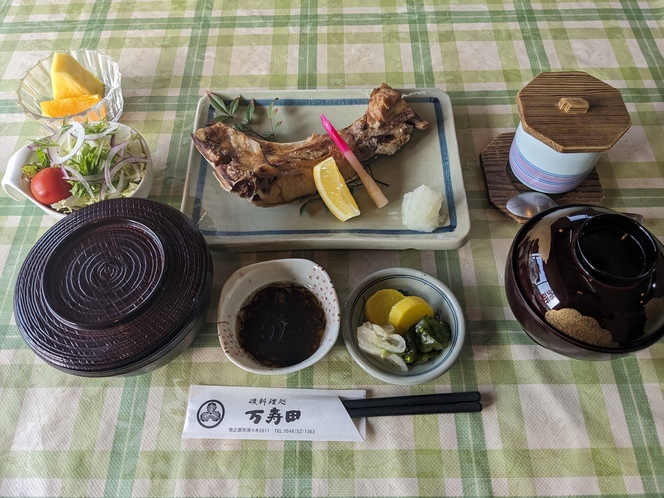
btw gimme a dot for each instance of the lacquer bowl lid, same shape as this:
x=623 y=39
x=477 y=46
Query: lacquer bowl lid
x=118 y=287
x=591 y=276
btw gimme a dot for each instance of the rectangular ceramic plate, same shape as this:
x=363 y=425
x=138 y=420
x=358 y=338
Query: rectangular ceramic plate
x=431 y=157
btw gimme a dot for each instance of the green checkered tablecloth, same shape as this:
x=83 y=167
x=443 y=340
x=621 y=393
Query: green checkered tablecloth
x=551 y=426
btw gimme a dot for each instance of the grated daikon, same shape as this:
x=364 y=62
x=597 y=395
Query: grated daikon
x=420 y=209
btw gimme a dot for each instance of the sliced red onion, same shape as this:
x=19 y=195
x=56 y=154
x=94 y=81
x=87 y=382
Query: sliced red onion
x=119 y=166
x=75 y=175
x=89 y=178
x=116 y=190
x=121 y=184
x=109 y=158
x=52 y=151
x=80 y=139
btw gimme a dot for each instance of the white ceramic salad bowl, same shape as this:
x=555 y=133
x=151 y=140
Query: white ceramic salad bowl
x=18 y=188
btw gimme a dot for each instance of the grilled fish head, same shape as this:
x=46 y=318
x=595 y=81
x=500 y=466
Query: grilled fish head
x=270 y=173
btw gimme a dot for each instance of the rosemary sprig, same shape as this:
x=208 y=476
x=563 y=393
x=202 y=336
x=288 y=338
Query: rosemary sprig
x=243 y=123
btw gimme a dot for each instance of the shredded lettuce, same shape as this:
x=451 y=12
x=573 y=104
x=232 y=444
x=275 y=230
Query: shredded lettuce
x=109 y=161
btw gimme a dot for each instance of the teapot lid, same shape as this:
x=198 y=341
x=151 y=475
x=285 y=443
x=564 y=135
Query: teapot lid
x=573 y=112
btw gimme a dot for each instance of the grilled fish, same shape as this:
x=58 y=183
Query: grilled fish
x=270 y=173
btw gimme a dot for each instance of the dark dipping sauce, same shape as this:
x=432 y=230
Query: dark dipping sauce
x=281 y=325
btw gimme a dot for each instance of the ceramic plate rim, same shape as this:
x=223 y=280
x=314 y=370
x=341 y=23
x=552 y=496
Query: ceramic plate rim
x=332 y=235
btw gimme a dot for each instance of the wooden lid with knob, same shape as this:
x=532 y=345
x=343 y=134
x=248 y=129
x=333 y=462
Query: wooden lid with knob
x=573 y=112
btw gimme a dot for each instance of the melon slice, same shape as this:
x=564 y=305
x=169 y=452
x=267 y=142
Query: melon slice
x=70 y=79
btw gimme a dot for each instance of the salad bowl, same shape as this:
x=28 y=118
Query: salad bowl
x=18 y=188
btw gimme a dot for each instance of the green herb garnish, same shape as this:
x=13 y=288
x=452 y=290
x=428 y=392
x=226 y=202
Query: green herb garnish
x=227 y=111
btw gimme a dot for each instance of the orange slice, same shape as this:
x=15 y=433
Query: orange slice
x=60 y=108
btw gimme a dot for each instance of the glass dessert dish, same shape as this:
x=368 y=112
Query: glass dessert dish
x=36 y=87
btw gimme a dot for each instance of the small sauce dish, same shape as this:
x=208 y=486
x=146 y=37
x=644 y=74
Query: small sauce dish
x=246 y=284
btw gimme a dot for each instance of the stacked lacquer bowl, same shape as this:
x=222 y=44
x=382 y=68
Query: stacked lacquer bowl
x=119 y=287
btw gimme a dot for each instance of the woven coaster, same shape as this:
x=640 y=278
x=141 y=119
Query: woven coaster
x=502 y=185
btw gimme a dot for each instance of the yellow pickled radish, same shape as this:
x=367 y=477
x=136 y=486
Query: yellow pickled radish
x=408 y=312
x=333 y=190
x=378 y=306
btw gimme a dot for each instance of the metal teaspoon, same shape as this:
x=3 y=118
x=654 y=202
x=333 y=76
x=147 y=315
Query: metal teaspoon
x=528 y=204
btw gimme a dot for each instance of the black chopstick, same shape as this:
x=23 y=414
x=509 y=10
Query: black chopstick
x=464 y=402
x=420 y=399
x=385 y=411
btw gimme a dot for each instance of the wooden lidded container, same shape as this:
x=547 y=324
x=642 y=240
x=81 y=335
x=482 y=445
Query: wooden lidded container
x=567 y=120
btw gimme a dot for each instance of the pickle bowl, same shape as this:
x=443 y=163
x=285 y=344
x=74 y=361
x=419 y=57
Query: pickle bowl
x=36 y=87
x=410 y=283
x=18 y=188
x=246 y=283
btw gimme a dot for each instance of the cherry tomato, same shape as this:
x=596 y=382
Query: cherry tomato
x=49 y=187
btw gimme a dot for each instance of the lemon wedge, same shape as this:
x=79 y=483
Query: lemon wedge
x=333 y=190
x=378 y=306
x=408 y=312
